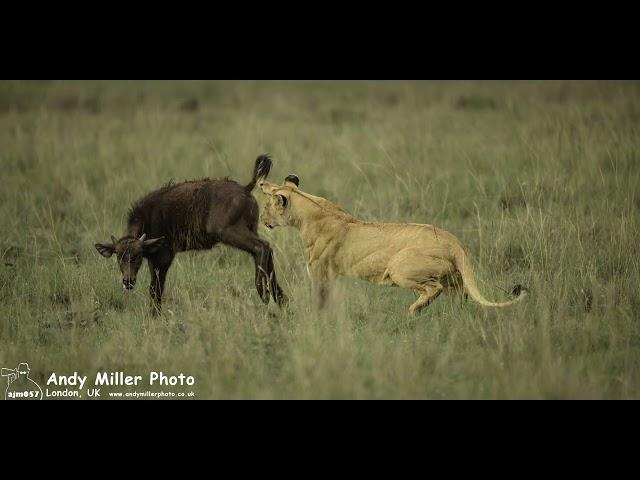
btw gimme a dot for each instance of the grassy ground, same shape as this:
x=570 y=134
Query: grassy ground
x=540 y=180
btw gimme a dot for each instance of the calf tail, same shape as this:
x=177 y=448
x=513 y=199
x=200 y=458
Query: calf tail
x=260 y=171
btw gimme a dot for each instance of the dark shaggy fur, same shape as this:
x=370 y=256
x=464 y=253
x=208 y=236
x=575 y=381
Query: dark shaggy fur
x=195 y=215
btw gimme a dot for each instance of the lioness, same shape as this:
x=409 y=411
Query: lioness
x=419 y=257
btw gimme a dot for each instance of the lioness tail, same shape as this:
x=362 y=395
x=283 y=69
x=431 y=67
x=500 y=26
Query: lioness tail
x=468 y=279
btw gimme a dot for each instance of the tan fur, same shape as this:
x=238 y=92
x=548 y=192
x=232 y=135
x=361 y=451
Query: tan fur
x=423 y=258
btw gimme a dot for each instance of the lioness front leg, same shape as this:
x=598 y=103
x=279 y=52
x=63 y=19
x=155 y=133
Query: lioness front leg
x=321 y=284
x=322 y=292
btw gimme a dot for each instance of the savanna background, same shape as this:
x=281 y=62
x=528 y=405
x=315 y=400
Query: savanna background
x=538 y=179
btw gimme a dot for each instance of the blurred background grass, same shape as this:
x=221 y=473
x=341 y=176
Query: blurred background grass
x=538 y=179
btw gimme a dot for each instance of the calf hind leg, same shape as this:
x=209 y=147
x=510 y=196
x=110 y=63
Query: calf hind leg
x=276 y=292
x=243 y=238
x=261 y=281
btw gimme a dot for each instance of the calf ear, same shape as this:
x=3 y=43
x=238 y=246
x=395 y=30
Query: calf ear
x=152 y=245
x=105 y=250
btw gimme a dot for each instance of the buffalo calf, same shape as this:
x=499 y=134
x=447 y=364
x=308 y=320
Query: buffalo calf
x=194 y=215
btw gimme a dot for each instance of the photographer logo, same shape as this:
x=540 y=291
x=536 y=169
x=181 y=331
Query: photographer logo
x=20 y=386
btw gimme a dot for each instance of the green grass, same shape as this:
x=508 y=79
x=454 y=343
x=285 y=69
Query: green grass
x=539 y=180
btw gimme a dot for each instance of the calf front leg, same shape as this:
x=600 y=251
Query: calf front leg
x=158 y=268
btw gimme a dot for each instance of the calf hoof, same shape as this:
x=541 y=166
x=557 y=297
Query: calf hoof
x=264 y=295
x=519 y=290
x=262 y=289
x=282 y=300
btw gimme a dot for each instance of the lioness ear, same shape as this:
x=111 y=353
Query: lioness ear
x=152 y=245
x=283 y=200
x=292 y=181
x=105 y=250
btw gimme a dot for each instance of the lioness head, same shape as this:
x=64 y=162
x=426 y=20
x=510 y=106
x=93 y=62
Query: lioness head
x=277 y=211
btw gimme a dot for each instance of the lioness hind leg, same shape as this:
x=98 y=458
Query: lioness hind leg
x=414 y=270
x=429 y=293
x=453 y=286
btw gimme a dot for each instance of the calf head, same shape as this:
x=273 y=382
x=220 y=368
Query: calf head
x=129 y=251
